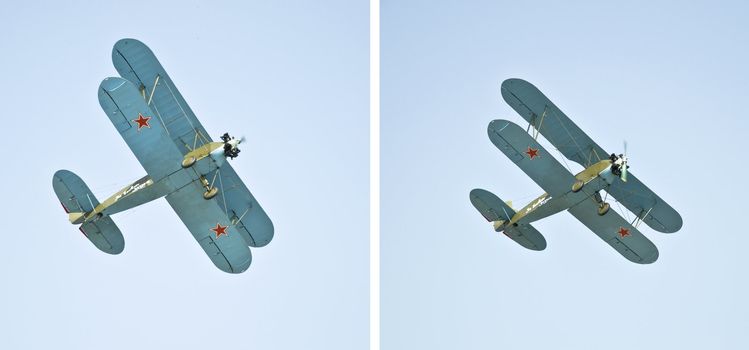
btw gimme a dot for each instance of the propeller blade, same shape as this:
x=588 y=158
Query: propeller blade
x=241 y=139
x=624 y=171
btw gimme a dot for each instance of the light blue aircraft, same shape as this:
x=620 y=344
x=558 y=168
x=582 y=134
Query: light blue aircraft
x=182 y=162
x=579 y=194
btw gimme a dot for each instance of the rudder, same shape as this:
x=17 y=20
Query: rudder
x=104 y=234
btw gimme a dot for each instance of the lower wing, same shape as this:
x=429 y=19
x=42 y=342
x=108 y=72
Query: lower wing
x=617 y=232
x=212 y=228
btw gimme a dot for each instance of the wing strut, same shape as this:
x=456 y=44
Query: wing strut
x=143 y=89
x=591 y=154
x=536 y=128
x=638 y=220
x=184 y=114
x=234 y=222
x=223 y=195
x=155 y=84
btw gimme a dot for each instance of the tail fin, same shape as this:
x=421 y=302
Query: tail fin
x=78 y=201
x=500 y=213
x=491 y=207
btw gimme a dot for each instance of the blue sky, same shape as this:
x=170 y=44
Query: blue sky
x=670 y=78
x=292 y=76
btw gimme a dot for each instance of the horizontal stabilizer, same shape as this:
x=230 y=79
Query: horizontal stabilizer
x=491 y=207
x=77 y=200
x=526 y=235
x=73 y=193
x=498 y=212
x=105 y=235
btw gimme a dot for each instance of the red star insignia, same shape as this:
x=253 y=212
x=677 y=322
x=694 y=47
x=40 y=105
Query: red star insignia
x=532 y=152
x=142 y=121
x=623 y=232
x=219 y=230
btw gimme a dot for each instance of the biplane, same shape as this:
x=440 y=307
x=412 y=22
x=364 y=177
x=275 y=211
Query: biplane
x=584 y=195
x=182 y=162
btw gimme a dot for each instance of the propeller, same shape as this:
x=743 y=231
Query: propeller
x=231 y=144
x=624 y=163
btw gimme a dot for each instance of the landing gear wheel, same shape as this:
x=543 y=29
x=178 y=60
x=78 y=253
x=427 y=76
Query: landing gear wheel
x=210 y=193
x=603 y=208
x=188 y=162
x=577 y=186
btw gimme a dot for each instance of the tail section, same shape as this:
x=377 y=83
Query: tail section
x=104 y=234
x=500 y=214
x=80 y=204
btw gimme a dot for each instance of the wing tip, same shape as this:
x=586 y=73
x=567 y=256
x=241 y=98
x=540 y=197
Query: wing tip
x=476 y=192
x=110 y=84
x=115 y=250
x=510 y=83
x=539 y=247
x=240 y=267
x=679 y=224
x=653 y=257
x=675 y=227
x=124 y=42
x=235 y=263
x=498 y=125
x=267 y=237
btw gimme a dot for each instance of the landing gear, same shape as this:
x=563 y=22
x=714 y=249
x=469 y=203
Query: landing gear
x=603 y=208
x=577 y=186
x=210 y=191
x=188 y=162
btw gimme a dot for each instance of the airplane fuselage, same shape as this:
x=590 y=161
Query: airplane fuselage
x=595 y=178
x=208 y=157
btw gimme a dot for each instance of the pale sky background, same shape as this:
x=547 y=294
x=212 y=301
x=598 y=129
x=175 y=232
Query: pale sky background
x=292 y=76
x=670 y=78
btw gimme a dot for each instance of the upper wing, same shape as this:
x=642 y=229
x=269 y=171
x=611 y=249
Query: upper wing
x=139 y=126
x=617 y=232
x=533 y=159
x=137 y=63
x=571 y=141
x=210 y=226
x=134 y=61
x=242 y=207
x=556 y=127
x=648 y=206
